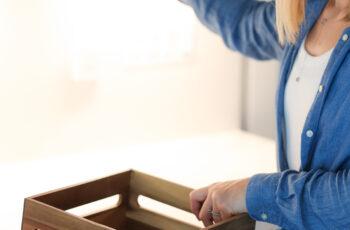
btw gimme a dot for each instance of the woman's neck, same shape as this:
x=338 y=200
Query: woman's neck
x=339 y=9
x=341 y=4
x=334 y=18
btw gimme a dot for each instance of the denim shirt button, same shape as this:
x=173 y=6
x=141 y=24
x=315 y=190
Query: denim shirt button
x=264 y=216
x=309 y=133
x=320 y=89
x=345 y=37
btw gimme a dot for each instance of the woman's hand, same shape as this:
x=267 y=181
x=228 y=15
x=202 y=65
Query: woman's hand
x=219 y=201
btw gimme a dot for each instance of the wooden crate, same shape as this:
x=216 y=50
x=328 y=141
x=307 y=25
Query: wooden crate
x=49 y=211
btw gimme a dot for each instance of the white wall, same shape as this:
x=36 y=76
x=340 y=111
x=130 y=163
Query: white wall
x=44 y=111
x=259 y=87
x=259 y=93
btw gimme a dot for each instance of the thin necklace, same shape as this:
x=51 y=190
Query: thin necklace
x=303 y=51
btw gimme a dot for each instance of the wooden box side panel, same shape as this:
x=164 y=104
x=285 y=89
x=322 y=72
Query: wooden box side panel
x=176 y=196
x=81 y=194
x=161 y=190
x=28 y=224
x=37 y=215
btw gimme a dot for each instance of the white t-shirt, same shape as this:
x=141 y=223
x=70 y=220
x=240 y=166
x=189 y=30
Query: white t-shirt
x=302 y=87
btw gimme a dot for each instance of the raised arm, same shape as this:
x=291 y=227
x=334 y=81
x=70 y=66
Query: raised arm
x=247 y=26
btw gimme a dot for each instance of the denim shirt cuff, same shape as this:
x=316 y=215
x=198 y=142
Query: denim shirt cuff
x=261 y=198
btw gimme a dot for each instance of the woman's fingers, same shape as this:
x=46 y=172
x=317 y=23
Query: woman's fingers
x=196 y=207
x=216 y=213
x=204 y=214
x=197 y=198
x=219 y=201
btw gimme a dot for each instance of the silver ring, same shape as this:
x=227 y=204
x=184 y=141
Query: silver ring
x=213 y=213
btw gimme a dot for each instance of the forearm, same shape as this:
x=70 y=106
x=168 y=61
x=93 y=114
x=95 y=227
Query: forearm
x=301 y=200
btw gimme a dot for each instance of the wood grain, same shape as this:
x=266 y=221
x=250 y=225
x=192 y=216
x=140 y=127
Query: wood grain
x=158 y=221
x=53 y=218
x=160 y=190
x=240 y=222
x=114 y=218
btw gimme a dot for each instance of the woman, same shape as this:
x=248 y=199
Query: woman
x=311 y=39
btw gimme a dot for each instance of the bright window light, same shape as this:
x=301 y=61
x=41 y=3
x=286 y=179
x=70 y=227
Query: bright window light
x=104 y=33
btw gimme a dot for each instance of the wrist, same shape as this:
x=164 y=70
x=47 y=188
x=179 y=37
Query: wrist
x=238 y=196
x=245 y=183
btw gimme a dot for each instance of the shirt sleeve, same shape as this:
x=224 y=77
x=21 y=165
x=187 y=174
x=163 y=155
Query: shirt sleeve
x=306 y=200
x=247 y=26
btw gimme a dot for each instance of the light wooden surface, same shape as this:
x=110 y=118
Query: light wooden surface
x=193 y=162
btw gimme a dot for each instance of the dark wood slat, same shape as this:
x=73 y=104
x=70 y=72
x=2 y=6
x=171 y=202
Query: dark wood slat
x=85 y=193
x=29 y=224
x=158 y=221
x=54 y=218
x=114 y=218
x=135 y=225
x=240 y=222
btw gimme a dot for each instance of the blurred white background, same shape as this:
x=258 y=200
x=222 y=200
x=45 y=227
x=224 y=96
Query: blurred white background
x=86 y=77
x=49 y=105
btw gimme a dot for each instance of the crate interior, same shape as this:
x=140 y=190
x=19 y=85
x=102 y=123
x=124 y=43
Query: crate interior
x=116 y=222
x=117 y=218
x=127 y=214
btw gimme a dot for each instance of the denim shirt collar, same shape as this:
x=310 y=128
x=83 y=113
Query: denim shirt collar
x=313 y=11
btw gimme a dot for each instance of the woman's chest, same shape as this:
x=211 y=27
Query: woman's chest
x=332 y=145
x=329 y=122
x=325 y=136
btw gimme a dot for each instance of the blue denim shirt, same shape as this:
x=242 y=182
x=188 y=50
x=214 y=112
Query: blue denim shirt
x=317 y=196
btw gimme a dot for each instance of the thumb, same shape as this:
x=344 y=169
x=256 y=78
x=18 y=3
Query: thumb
x=197 y=198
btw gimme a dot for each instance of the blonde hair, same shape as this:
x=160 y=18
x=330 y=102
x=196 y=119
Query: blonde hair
x=290 y=14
